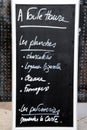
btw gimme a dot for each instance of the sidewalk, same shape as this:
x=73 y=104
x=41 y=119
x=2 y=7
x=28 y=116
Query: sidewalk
x=6 y=117
x=82 y=116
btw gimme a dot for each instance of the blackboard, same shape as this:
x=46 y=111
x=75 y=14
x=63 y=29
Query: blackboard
x=44 y=60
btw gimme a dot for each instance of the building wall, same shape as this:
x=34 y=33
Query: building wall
x=5 y=50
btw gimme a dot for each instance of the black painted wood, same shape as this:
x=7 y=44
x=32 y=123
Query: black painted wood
x=55 y=85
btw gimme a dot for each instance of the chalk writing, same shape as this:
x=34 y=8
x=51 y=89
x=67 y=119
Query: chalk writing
x=35 y=42
x=44 y=56
x=33 y=79
x=46 y=67
x=48 y=114
x=33 y=119
x=28 y=89
x=42 y=14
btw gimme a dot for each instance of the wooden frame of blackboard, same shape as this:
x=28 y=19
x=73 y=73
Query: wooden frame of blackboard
x=41 y=2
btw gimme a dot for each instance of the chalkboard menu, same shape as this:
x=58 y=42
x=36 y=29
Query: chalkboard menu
x=45 y=64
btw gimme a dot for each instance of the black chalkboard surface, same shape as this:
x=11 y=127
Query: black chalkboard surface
x=45 y=48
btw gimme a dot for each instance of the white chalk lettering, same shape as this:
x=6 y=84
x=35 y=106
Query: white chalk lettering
x=47 y=43
x=51 y=119
x=50 y=16
x=33 y=79
x=22 y=41
x=32 y=16
x=20 y=15
x=33 y=119
x=47 y=67
x=23 y=109
x=30 y=67
x=44 y=14
x=28 y=89
x=42 y=109
x=44 y=56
